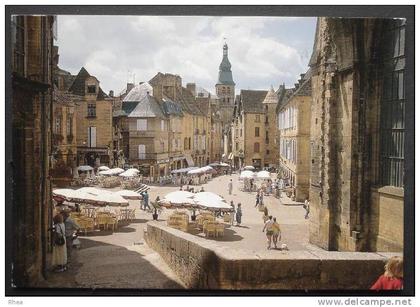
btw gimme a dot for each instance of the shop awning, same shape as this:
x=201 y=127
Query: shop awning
x=189 y=159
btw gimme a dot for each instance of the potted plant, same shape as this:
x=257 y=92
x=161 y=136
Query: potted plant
x=156 y=208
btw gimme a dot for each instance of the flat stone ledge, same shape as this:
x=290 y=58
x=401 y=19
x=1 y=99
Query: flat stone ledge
x=204 y=264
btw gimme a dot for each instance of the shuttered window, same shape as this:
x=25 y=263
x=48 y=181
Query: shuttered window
x=92 y=136
x=392 y=129
x=142 y=151
x=141 y=124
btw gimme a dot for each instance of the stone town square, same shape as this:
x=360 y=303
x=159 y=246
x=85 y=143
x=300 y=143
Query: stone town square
x=128 y=262
x=263 y=165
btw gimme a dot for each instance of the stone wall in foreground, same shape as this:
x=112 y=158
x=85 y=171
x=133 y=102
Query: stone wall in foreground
x=204 y=264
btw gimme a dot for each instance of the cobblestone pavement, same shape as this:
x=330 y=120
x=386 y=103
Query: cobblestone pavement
x=123 y=260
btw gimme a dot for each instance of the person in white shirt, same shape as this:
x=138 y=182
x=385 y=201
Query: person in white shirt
x=268 y=228
x=306 y=207
x=230 y=186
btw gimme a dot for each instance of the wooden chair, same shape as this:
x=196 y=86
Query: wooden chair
x=102 y=219
x=86 y=224
x=132 y=215
x=220 y=230
x=111 y=221
x=226 y=218
x=210 y=229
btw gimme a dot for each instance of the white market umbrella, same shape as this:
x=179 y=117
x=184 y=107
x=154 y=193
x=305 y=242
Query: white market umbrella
x=85 y=168
x=128 y=194
x=263 y=175
x=249 y=168
x=196 y=171
x=91 y=196
x=201 y=170
x=133 y=170
x=103 y=168
x=247 y=174
x=102 y=196
x=129 y=173
x=178 y=199
x=112 y=172
x=211 y=201
x=207 y=196
x=65 y=193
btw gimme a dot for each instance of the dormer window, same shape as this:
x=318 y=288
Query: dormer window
x=91 y=89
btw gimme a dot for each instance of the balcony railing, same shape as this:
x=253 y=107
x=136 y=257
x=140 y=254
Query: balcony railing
x=145 y=133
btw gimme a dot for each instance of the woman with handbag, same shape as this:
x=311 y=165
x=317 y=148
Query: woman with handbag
x=59 y=255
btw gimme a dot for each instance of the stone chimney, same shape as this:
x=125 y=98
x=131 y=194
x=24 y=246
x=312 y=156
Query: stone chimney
x=191 y=88
x=130 y=86
x=111 y=93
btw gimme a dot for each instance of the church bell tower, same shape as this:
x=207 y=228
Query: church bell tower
x=225 y=87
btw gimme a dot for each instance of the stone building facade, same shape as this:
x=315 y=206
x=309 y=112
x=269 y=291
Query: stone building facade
x=248 y=130
x=94 y=134
x=32 y=88
x=64 y=134
x=294 y=123
x=357 y=134
x=64 y=146
x=163 y=126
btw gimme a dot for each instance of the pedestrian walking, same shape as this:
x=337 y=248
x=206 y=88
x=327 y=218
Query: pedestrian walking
x=392 y=279
x=261 y=197
x=59 y=254
x=70 y=228
x=268 y=228
x=306 y=207
x=276 y=232
x=232 y=214
x=238 y=215
x=265 y=214
x=230 y=186
x=257 y=199
x=146 y=200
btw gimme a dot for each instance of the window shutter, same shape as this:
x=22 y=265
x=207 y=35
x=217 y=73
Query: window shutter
x=92 y=136
x=142 y=151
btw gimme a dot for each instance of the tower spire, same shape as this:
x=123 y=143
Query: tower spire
x=225 y=72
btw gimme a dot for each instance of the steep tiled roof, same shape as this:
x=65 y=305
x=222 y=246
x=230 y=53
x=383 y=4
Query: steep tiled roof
x=203 y=103
x=188 y=103
x=128 y=106
x=303 y=88
x=170 y=107
x=63 y=97
x=147 y=107
x=78 y=85
x=251 y=100
x=66 y=76
x=101 y=94
x=284 y=95
x=138 y=92
x=271 y=97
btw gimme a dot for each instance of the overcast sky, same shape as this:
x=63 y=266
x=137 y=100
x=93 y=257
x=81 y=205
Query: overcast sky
x=263 y=51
